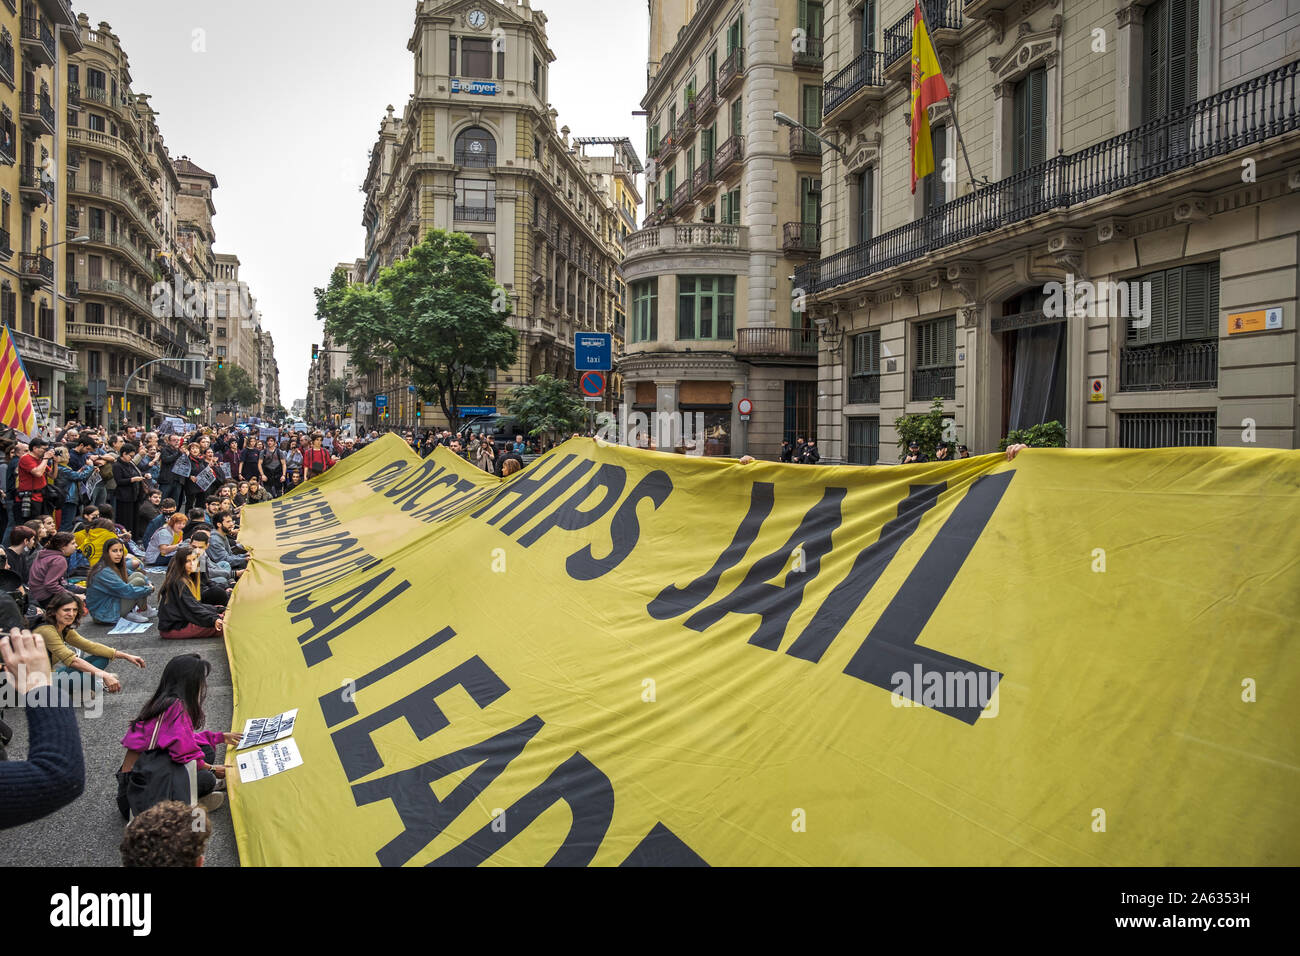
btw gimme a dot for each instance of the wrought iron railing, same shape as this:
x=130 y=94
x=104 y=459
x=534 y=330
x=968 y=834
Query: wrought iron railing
x=866 y=69
x=864 y=389
x=776 y=341
x=728 y=154
x=1169 y=366
x=36 y=265
x=939 y=15
x=730 y=68
x=801 y=237
x=1166 y=429
x=939 y=381
x=37 y=30
x=811 y=54
x=476 y=213
x=1251 y=112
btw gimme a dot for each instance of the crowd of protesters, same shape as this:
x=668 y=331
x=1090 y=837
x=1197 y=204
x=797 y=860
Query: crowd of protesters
x=87 y=515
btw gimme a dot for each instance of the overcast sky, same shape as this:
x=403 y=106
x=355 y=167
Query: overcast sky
x=284 y=103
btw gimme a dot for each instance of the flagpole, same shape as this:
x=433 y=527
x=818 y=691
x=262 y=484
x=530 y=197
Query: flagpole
x=952 y=105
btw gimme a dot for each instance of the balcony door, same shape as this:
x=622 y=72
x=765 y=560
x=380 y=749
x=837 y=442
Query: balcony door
x=1033 y=365
x=1169 y=32
x=1029 y=140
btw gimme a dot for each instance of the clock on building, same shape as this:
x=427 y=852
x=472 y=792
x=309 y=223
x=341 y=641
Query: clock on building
x=476 y=19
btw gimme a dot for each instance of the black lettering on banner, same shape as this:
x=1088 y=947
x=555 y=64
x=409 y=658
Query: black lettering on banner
x=522 y=488
x=326 y=549
x=624 y=529
x=544 y=500
x=446 y=479
x=464 y=496
x=776 y=605
x=891 y=646
x=423 y=815
x=569 y=516
x=381 y=479
x=662 y=847
x=848 y=595
x=337 y=706
x=298 y=591
x=580 y=784
x=315 y=642
x=411 y=480
x=673 y=601
x=357 y=751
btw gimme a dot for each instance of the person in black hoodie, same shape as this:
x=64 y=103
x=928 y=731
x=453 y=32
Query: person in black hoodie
x=181 y=614
x=172 y=485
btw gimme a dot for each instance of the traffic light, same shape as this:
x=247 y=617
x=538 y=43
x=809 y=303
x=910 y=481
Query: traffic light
x=315 y=351
x=419 y=413
x=221 y=363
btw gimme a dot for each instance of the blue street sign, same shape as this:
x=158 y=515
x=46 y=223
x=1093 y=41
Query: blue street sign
x=381 y=401
x=468 y=411
x=593 y=351
x=592 y=384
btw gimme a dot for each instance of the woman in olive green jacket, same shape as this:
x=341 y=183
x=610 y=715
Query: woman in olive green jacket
x=70 y=653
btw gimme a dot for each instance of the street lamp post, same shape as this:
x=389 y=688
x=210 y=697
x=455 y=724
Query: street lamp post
x=791 y=121
x=127 y=387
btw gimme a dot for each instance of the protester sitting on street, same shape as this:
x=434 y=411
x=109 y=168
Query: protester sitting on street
x=21 y=550
x=166 y=509
x=72 y=654
x=89 y=514
x=49 y=571
x=221 y=546
x=256 y=493
x=112 y=591
x=166 y=541
x=181 y=611
x=149 y=508
x=176 y=711
x=92 y=540
x=167 y=834
x=212 y=574
x=54 y=773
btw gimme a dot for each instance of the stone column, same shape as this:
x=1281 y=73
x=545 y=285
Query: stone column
x=763 y=50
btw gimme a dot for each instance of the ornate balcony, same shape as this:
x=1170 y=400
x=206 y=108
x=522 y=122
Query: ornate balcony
x=36 y=112
x=804 y=145
x=681 y=196
x=33 y=186
x=944 y=19
x=810 y=57
x=38 y=41
x=862 y=79
x=801 y=238
x=702 y=179
x=111 y=336
x=38 y=270
x=692 y=237
x=667 y=144
x=777 y=343
x=706 y=101
x=1259 y=109
x=727 y=161
x=36 y=349
x=731 y=70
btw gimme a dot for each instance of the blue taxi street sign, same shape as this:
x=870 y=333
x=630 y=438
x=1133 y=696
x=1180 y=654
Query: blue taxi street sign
x=467 y=411
x=593 y=351
x=381 y=401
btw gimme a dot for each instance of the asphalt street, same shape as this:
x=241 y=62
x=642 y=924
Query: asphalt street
x=89 y=831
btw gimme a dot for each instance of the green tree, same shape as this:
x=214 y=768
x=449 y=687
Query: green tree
x=233 y=384
x=438 y=313
x=1045 y=435
x=548 y=406
x=74 y=393
x=336 y=392
x=926 y=429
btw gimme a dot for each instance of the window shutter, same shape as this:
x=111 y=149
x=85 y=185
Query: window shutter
x=866 y=203
x=1155 y=38
x=1037 y=116
x=1020 y=128
x=1174 y=299
x=1212 y=301
x=1181 y=42
x=1155 y=331
x=869 y=25
x=1196 y=302
x=803 y=15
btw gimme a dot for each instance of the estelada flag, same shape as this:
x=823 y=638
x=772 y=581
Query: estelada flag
x=16 y=408
x=928 y=87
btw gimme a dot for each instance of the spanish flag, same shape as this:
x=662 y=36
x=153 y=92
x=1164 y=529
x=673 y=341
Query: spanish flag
x=16 y=408
x=928 y=86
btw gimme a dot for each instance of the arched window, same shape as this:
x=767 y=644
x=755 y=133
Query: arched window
x=476 y=147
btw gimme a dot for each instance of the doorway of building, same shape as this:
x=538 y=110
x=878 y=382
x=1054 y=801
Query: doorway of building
x=1033 y=363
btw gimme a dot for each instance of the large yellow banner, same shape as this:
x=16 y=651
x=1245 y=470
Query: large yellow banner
x=626 y=657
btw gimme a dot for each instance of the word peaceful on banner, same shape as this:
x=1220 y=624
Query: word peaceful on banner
x=1077 y=658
